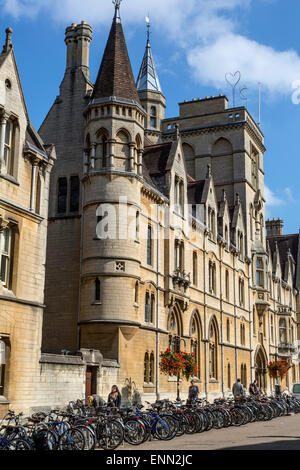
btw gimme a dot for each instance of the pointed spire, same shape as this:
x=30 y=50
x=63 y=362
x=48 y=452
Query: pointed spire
x=148 y=78
x=115 y=77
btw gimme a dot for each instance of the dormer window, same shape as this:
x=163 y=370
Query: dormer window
x=9 y=130
x=179 y=195
x=259 y=272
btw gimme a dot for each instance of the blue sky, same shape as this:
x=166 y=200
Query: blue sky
x=194 y=44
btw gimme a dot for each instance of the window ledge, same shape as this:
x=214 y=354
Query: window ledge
x=9 y=178
x=149 y=385
x=136 y=305
x=96 y=303
x=4 y=401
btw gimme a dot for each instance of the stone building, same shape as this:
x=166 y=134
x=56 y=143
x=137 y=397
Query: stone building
x=25 y=167
x=187 y=258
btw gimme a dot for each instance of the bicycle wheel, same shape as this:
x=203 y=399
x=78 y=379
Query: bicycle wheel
x=161 y=429
x=110 y=434
x=89 y=436
x=71 y=439
x=134 y=431
x=19 y=444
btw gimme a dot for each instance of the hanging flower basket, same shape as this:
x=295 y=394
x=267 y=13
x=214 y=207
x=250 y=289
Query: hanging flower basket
x=278 y=368
x=182 y=363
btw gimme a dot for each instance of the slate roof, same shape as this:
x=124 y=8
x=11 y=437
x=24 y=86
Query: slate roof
x=115 y=77
x=148 y=78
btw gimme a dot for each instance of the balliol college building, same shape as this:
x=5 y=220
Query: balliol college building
x=156 y=237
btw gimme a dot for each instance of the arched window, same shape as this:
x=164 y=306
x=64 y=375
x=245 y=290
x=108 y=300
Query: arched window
x=147 y=307
x=62 y=193
x=122 y=151
x=227 y=284
x=228 y=330
x=2 y=366
x=153 y=117
x=146 y=368
x=195 y=341
x=195 y=269
x=152 y=310
x=104 y=151
x=136 y=293
x=241 y=292
x=272 y=328
x=97 y=290
x=212 y=277
x=213 y=350
x=282 y=331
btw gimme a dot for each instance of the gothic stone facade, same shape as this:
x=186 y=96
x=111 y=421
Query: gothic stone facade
x=196 y=265
x=25 y=166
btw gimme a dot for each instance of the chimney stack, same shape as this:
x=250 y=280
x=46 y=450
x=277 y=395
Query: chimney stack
x=274 y=227
x=78 y=40
x=8 y=44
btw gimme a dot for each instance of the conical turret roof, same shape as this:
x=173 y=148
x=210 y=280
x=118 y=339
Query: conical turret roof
x=115 y=77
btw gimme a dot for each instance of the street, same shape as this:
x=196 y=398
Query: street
x=279 y=434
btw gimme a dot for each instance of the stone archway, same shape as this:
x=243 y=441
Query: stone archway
x=260 y=363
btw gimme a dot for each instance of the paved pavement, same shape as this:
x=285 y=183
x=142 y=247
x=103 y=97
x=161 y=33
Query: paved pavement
x=278 y=434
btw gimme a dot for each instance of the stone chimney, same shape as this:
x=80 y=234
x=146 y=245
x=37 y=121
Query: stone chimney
x=8 y=44
x=78 y=39
x=274 y=227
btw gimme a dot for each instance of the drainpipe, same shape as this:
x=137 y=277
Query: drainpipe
x=205 y=319
x=80 y=269
x=235 y=318
x=157 y=304
x=221 y=312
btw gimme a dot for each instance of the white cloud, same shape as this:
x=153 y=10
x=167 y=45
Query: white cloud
x=205 y=30
x=271 y=199
x=289 y=194
x=256 y=62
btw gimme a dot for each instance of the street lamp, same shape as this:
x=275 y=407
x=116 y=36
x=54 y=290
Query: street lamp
x=177 y=341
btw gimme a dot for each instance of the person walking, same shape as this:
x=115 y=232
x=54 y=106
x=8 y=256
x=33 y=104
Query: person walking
x=193 y=392
x=114 y=398
x=238 y=389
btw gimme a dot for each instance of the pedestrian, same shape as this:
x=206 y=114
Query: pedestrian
x=238 y=389
x=193 y=393
x=95 y=401
x=254 y=389
x=114 y=398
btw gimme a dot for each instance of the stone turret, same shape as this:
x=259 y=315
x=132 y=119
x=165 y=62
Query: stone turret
x=274 y=227
x=114 y=136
